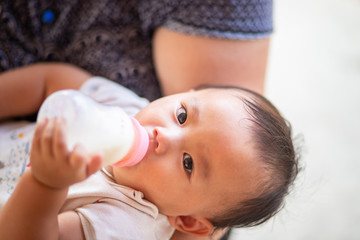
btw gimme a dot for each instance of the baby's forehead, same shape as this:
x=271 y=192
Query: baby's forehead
x=238 y=95
x=226 y=90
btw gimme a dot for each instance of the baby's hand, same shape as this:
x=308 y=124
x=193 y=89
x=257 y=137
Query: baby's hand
x=52 y=163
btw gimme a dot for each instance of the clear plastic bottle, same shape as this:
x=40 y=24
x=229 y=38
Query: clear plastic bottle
x=98 y=127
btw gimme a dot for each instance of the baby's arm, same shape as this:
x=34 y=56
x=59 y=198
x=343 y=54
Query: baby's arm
x=32 y=210
x=23 y=90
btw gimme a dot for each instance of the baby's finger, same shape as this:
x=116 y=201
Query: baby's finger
x=95 y=164
x=47 y=138
x=36 y=142
x=78 y=161
x=59 y=140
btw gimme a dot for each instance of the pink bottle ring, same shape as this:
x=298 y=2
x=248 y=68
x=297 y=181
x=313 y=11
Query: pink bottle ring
x=138 y=148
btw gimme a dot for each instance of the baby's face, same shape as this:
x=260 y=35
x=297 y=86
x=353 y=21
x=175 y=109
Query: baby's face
x=200 y=157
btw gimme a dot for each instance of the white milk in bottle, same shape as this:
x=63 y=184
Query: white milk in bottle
x=98 y=127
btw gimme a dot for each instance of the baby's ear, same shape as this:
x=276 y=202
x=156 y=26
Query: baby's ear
x=194 y=225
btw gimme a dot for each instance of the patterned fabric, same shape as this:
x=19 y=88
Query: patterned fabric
x=15 y=144
x=112 y=38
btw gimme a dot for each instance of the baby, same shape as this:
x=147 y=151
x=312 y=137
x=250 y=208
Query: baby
x=218 y=157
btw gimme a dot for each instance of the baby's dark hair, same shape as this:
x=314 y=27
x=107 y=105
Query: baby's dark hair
x=272 y=136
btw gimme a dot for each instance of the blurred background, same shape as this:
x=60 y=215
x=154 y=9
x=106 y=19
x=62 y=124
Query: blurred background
x=314 y=79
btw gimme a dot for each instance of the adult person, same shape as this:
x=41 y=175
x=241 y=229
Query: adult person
x=180 y=43
x=151 y=47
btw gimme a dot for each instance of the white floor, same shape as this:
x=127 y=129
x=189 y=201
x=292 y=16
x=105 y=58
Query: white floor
x=314 y=79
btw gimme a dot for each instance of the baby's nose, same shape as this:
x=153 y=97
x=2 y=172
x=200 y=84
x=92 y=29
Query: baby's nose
x=167 y=139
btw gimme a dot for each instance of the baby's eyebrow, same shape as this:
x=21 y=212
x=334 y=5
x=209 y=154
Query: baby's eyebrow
x=193 y=108
x=205 y=168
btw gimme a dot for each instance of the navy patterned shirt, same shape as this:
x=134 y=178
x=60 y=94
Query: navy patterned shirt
x=112 y=38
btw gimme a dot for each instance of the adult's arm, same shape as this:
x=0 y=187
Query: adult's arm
x=184 y=61
x=22 y=90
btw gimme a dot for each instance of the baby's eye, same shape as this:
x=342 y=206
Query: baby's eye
x=181 y=115
x=188 y=163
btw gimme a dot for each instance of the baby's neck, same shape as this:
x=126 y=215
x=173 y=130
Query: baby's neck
x=121 y=176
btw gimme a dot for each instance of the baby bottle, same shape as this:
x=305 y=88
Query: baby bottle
x=98 y=127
